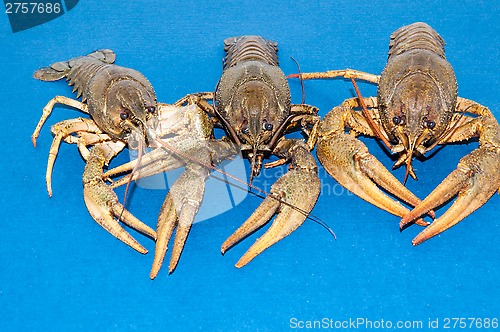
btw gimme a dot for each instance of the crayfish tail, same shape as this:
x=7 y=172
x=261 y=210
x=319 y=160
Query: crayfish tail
x=61 y=69
x=55 y=72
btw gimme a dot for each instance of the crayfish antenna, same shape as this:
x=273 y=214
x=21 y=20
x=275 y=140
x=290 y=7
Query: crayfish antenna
x=301 y=81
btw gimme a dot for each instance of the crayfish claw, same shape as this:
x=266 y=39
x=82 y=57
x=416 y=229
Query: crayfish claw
x=261 y=215
x=167 y=221
x=178 y=212
x=475 y=180
x=102 y=202
x=103 y=215
x=292 y=197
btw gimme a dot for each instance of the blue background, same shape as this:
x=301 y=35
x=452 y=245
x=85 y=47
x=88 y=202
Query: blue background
x=59 y=270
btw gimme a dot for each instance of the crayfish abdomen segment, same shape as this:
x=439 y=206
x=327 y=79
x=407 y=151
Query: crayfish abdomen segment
x=251 y=59
x=418 y=35
x=78 y=71
x=250 y=48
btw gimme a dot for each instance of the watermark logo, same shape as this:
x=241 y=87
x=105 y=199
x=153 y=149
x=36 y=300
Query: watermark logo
x=26 y=15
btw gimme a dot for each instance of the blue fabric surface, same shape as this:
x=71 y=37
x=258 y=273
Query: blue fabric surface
x=60 y=271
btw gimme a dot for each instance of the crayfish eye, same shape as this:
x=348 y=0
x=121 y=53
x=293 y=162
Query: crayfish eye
x=151 y=109
x=245 y=130
x=396 y=120
x=124 y=115
x=267 y=126
x=429 y=123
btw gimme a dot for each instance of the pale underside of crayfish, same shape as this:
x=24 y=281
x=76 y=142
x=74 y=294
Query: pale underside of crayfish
x=417 y=108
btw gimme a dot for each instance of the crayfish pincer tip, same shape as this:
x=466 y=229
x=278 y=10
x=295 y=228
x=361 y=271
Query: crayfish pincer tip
x=155 y=269
x=246 y=258
x=139 y=248
x=240 y=264
x=422 y=237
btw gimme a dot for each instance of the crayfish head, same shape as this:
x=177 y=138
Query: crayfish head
x=256 y=118
x=130 y=107
x=414 y=116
